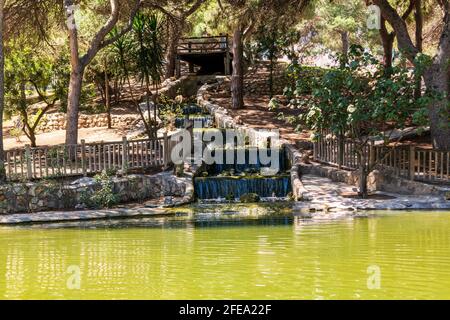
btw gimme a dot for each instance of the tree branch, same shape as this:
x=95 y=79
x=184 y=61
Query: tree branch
x=194 y=8
x=404 y=40
x=99 y=41
x=410 y=8
x=443 y=54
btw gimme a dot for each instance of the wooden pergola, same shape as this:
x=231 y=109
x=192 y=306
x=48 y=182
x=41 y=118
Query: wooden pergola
x=212 y=54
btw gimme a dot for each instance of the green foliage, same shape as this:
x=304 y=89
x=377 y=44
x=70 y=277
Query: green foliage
x=149 y=52
x=31 y=78
x=274 y=104
x=230 y=197
x=141 y=52
x=23 y=68
x=103 y=197
x=359 y=100
x=272 y=41
x=302 y=79
x=343 y=16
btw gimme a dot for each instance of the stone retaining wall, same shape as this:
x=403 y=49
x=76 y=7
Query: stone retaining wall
x=48 y=196
x=57 y=121
x=378 y=180
x=257 y=83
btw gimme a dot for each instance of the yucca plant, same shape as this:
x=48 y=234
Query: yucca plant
x=149 y=57
x=141 y=53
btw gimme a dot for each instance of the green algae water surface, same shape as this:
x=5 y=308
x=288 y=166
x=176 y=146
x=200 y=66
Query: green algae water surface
x=234 y=254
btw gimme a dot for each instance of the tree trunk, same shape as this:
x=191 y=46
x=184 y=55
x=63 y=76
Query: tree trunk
x=387 y=40
x=2 y=93
x=73 y=106
x=419 y=43
x=363 y=173
x=419 y=25
x=345 y=47
x=32 y=137
x=436 y=80
x=78 y=64
x=363 y=192
x=237 y=79
x=171 y=54
x=108 y=99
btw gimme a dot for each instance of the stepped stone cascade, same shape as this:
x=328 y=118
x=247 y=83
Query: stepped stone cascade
x=234 y=180
x=194 y=114
x=232 y=187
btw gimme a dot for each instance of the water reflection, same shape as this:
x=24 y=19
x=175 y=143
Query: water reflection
x=265 y=253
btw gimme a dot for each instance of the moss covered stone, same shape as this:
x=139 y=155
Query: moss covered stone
x=250 y=197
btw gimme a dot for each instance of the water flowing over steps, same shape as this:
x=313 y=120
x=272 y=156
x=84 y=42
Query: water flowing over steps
x=222 y=187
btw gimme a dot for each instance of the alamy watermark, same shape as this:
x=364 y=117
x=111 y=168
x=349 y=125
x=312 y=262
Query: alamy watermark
x=74 y=280
x=374 y=277
x=373 y=17
x=70 y=16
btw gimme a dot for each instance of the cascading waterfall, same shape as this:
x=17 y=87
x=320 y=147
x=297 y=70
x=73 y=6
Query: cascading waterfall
x=200 y=121
x=241 y=170
x=231 y=181
x=194 y=113
x=225 y=187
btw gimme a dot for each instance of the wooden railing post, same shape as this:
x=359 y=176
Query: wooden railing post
x=340 y=151
x=412 y=162
x=83 y=158
x=166 y=153
x=177 y=67
x=227 y=57
x=28 y=160
x=315 y=150
x=372 y=159
x=124 y=155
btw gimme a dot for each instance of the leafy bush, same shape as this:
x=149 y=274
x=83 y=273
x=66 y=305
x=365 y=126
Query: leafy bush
x=274 y=104
x=359 y=100
x=103 y=197
x=302 y=79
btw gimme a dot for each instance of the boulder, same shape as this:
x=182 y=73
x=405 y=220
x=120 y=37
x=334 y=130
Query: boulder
x=249 y=198
x=84 y=182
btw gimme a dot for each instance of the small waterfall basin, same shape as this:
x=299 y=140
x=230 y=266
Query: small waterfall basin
x=233 y=180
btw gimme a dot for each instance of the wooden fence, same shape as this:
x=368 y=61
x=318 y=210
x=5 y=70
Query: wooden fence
x=427 y=165
x=88 y=158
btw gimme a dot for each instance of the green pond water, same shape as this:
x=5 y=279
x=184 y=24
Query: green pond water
x=221 y=252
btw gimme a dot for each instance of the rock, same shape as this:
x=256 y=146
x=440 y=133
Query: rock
x=168 y=200
x=249 y=198
x=80 y=206
x=84 y=182
x=447 y=196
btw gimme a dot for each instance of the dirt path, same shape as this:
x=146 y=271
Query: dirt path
x=58 y=137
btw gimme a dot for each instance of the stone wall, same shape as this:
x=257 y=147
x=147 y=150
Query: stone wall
x=49 y=196
x=57 y=121
x=378 y=180
x=256 y=81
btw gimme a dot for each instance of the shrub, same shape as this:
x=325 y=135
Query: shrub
x=103 y=197
x=302 y=79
